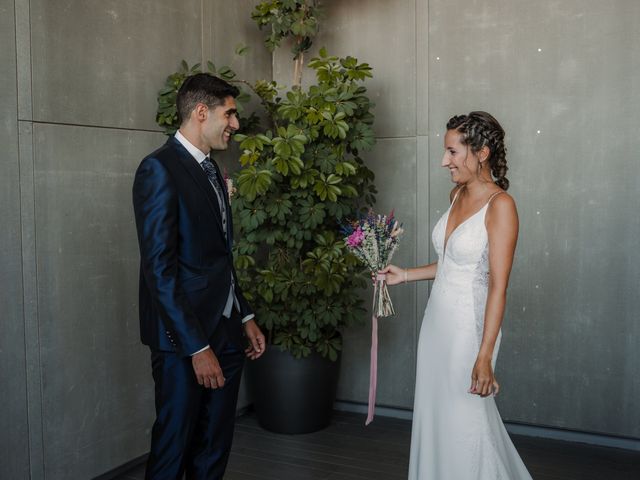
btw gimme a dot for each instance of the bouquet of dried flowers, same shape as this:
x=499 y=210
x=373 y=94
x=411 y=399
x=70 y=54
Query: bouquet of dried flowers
x=373 y=239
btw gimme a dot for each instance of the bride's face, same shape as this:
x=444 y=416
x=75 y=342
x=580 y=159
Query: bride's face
x=458 y=158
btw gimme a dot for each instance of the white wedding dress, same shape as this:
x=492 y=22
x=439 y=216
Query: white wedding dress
x=457 y=435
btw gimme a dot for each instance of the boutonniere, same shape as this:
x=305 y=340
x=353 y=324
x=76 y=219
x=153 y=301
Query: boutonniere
x=231 y=189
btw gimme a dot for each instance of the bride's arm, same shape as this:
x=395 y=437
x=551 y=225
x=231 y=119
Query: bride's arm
x=502 y=228
x=396 y=275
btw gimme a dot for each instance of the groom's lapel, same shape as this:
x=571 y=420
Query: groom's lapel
x=199 y=177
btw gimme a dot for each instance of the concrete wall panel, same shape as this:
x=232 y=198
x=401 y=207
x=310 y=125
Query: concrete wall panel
x=233 y=27
x=562 y=77
x=14 y=444
x=422 y=67
x=103 y=62
x=97 y=387
x=394 y=162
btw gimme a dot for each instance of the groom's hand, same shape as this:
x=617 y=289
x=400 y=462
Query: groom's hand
x=256 y=340
x=207 y=369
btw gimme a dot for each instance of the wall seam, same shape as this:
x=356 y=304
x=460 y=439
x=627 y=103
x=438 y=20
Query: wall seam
x=208 y=39
x=416 y=243
x=102 y=127
x=202 y=60
x=428 y=121
x=34 y=383
x=421 y=181
x=429 y=133
x=22 y=259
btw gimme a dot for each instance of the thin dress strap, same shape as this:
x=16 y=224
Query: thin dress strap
x=455 y=196
x=495 y=194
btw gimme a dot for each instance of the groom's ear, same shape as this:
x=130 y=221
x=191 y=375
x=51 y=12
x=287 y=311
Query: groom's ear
x=200 y=112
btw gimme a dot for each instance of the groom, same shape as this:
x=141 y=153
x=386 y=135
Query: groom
x=192 y=312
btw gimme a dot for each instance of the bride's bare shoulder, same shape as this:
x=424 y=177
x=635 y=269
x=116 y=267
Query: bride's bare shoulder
x=502 y=206
x=501 y=199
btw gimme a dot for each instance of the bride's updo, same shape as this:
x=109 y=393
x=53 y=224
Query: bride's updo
x=480 y=129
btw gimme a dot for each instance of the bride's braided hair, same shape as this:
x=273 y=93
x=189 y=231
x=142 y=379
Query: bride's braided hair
x=480 y=129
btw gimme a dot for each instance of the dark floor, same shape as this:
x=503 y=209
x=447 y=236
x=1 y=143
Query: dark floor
x=348 y=450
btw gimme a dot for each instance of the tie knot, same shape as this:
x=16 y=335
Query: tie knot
x=208 y=167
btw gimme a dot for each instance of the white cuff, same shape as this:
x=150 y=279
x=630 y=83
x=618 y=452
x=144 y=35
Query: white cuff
x=251 y=316
x=201 y=350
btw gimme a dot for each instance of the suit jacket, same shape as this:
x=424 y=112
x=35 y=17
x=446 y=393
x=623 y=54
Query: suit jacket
x=186 y=261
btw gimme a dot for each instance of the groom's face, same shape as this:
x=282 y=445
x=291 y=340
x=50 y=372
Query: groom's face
x=221 y=123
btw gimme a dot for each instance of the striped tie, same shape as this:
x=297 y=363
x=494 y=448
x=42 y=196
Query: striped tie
x=210 y=169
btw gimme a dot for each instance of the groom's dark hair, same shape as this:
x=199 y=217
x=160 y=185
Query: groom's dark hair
x=202 y=88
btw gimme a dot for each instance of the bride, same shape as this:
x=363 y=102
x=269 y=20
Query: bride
x=457 y=432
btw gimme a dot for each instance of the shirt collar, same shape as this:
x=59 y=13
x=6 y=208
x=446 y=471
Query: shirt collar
x=195 y=152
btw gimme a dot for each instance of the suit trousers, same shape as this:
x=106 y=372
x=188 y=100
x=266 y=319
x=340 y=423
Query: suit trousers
x=194 y=425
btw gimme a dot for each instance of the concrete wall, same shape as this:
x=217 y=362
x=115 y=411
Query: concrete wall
x=562 y=77
x=80 y=90
x=80 y=84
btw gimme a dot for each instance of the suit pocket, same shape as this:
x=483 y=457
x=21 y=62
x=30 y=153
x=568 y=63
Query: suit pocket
x=194 y=283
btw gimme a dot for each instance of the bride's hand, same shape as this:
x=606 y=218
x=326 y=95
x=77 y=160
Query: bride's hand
x=483 y=381
x=395 y=275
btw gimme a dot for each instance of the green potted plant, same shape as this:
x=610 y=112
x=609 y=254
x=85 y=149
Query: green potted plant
x=299 y=179
x=301 y=176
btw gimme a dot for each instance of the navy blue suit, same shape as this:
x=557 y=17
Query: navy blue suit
x=186 y=266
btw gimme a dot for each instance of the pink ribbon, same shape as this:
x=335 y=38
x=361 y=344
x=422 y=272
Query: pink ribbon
x=373 y=367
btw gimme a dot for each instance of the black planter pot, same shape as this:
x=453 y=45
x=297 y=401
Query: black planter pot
x=293 y=395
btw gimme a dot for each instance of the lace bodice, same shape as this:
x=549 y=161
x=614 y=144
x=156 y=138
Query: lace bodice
x=466 y=255
x=463 y=265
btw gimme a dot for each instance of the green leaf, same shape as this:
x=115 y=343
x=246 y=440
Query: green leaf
x=345 y=169
x=241 y=49
x=281 y=165
x=333 y=179
x=312 y=215
x=253 y=182
x=281 y=148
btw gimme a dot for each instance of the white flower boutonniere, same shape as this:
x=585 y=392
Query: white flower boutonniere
x=231 y=189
